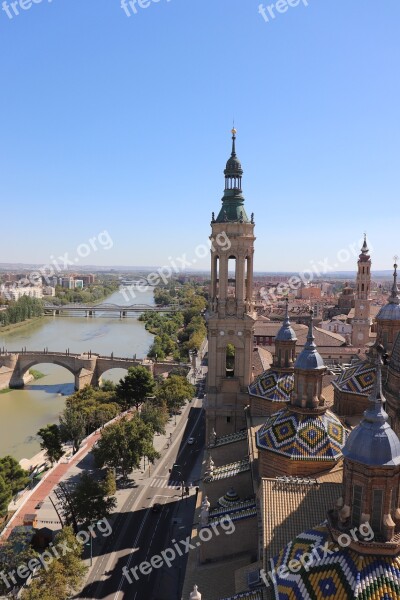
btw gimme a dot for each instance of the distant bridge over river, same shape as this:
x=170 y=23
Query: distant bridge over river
x=87 y=368
x=91 y=311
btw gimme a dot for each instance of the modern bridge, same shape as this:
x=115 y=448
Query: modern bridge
x=87 y=367
x=91 y=311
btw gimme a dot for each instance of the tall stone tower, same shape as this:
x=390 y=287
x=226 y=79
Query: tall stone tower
x=231 y=315
x=362 y=321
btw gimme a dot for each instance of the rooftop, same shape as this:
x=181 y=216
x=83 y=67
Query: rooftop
x=289 y=509
x=335 y=573
x=303 y=436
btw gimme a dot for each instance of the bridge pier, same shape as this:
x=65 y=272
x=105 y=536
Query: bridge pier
x=85 y=377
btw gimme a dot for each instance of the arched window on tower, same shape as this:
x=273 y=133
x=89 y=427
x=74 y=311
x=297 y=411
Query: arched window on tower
x=357 y=505
x=230 y=360
x=376 y=513
x=286 y=358
x=215 y=291
x=232 y=264
x=362 y=287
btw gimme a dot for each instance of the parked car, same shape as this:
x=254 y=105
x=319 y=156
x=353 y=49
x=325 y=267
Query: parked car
x=191 y=441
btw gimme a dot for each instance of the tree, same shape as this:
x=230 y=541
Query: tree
x=155 y=416
x=14 y=551
x=107 y=385
x=51 y=442
x=13 y=474
x=89 y=501
x=5 y=496
x=175 y=391
x=123 y=444
x=63 y=576
x=135 y=387
x=110 y=485
x=72 y=427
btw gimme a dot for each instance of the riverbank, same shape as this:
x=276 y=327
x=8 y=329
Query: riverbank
x=14 y=326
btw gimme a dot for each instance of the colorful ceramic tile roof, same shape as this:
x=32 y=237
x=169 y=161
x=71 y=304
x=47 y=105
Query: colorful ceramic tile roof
x=357 y=379
x=273 y=386
x=229 y=470
x=303 y=436
x=230 y=438
x=334 y=573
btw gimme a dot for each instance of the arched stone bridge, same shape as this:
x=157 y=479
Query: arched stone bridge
x=87 y=368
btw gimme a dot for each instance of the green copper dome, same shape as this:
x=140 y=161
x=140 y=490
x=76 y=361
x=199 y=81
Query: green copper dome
x=232 y=209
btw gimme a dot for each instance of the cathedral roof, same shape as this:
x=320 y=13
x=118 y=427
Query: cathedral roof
x=357 y=379
x=334 y=572
x=273 y=386
x=303 y=436
x=373 y=442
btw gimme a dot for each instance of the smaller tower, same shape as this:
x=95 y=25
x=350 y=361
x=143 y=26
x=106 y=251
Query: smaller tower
x=303 y=438
x=309 y=371
x=371 y=478
x=362 y=322
x=285 y=345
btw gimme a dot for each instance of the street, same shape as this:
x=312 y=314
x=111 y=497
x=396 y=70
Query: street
x=140 y=534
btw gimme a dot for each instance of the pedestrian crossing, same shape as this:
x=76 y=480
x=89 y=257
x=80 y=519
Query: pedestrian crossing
x=164 y=482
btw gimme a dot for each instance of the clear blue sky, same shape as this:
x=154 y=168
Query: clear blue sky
x=123 y=124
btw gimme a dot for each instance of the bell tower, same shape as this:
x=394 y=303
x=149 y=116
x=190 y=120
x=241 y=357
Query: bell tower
x=362 y=322
x=231 y=315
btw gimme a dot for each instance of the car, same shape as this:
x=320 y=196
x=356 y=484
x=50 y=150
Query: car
x=39 y=505
x=156 y=508
x=191 y=441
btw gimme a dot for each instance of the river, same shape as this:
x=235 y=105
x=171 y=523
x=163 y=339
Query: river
x=24 y=412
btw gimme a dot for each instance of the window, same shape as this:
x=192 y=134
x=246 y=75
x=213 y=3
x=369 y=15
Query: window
x=357 y=500
x=376 y=514
x=393 y=500
x=228 y=419
x=232 y=276
x=230 y=360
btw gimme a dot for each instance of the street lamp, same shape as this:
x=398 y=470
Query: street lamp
x=91 y=540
